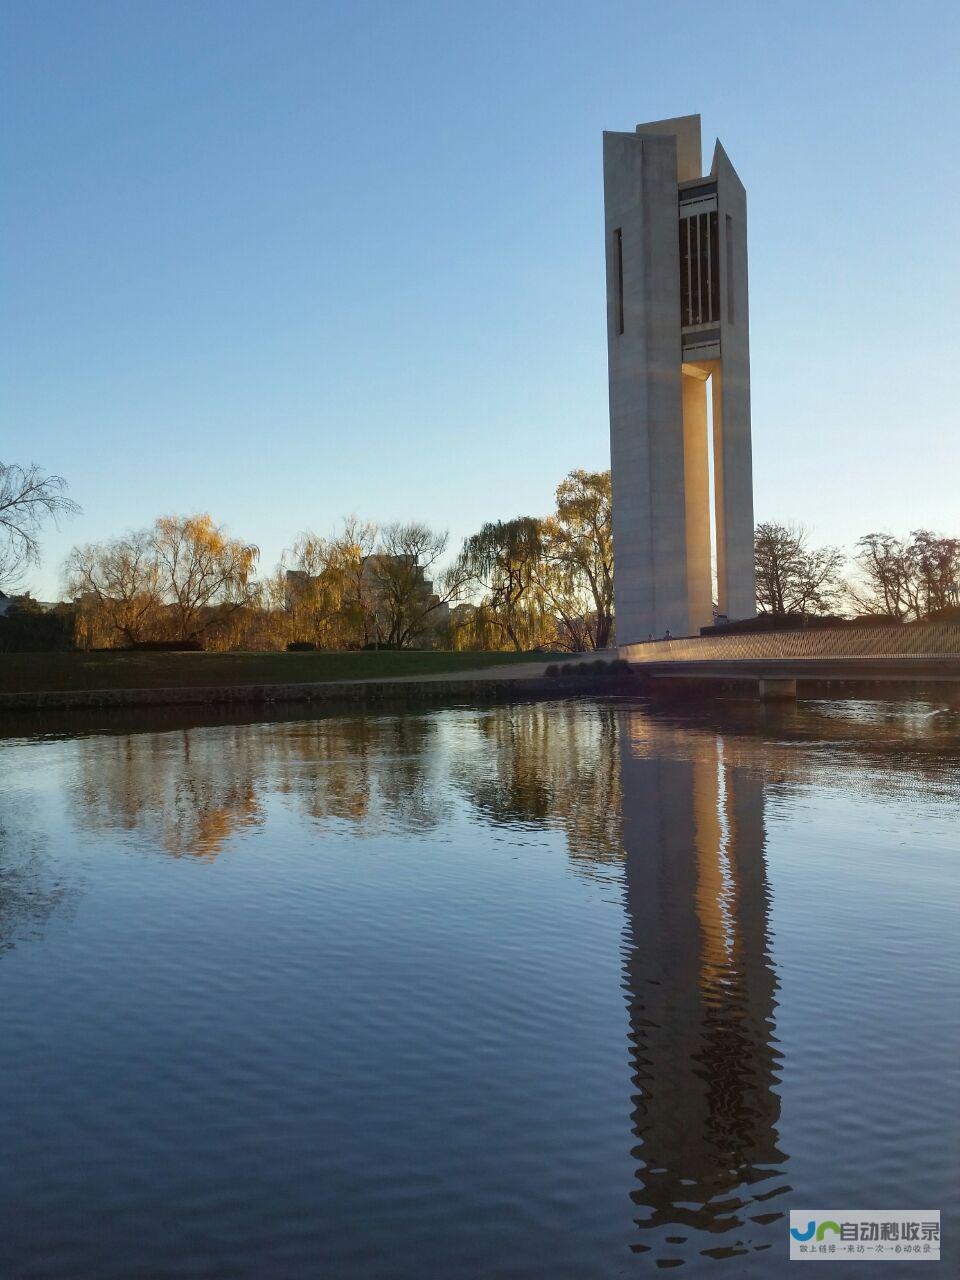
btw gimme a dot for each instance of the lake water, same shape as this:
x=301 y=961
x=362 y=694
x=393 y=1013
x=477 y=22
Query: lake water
x=565 y=990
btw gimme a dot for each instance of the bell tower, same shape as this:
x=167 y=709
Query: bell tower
x=677 y=331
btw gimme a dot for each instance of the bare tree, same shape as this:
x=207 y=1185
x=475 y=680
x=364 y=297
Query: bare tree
x=29 y=497
x=405 y=598
x=793 y=577
x=907 y=579
x=887 y=584
x=936 y=562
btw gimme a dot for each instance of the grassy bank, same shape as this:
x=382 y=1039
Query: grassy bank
x=41 y=672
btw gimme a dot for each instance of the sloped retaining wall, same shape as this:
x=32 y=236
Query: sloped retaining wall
x=911 y=640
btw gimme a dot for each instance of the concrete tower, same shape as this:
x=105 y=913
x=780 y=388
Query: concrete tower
x=677 y=323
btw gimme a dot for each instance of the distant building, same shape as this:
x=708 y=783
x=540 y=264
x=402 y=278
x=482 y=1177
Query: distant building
x=26 y=600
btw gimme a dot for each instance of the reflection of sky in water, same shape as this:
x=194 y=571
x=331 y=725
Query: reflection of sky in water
x=559 y=989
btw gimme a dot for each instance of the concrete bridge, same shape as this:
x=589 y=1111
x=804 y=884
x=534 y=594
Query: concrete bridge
x=915 y=653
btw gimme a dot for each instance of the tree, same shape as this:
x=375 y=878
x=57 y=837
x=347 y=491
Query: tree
x=576 y=570
x=501 y=561
x=117 y=584
x=351 y=553
x=936 y=564
x=313 y=592
x=405 y=599
x=791 y=576
x=28 y=498
x=204 y=575
x=28 y=627
x=329 y=592
x=907 y=579
x=887 y=574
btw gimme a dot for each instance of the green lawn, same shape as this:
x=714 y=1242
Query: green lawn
x=36 y=672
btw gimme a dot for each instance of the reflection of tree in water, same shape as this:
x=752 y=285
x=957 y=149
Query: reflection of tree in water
x=372 y=771
x=29 y=895
x=548 y=765
x=190 y=790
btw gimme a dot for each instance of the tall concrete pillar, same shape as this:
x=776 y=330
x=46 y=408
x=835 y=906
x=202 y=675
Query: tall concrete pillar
x=696 y=483
x=676 y=316
x=733 y=454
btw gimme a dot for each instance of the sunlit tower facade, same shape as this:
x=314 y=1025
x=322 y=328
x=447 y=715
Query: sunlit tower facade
x=677 y=332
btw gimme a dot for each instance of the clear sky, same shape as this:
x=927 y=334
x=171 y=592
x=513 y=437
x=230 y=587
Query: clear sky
x=284 y=261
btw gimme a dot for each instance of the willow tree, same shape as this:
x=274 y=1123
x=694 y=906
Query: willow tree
x=502 y=562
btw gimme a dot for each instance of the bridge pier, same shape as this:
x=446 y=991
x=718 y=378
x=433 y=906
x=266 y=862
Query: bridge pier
x=778 y=690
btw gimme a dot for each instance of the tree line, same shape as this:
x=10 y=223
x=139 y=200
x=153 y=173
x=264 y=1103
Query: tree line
x=526 y=583
x=516 y=584
x=901 y=579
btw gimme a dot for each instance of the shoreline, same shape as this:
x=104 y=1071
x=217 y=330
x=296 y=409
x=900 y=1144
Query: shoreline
x=350 y=691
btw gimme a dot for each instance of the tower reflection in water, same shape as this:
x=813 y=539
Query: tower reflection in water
x=701 y=993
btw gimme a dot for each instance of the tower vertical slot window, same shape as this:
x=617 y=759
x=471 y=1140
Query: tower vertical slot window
x=729 y=240
x=618 y=246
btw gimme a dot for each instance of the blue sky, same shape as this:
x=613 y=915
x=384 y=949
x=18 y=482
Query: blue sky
x=285 y=261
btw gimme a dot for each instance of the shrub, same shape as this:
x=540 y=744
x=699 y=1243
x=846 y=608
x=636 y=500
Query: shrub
x=28 y=628
x=302 y=646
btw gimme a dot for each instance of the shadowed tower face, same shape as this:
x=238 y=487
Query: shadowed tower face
x=677 y=332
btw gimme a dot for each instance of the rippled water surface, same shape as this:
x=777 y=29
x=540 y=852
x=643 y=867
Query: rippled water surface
x=550 y=990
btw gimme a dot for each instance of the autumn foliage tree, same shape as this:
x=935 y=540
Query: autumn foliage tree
x=548 y=581
x=118 y=585
x=204 y=576
x=176 y=581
